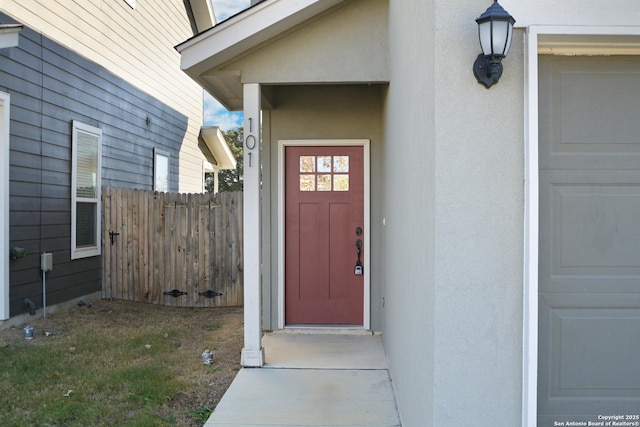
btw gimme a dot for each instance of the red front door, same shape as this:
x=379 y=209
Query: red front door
x=324 y=220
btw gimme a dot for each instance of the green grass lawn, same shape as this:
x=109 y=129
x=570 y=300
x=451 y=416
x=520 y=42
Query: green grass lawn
x=106 y=371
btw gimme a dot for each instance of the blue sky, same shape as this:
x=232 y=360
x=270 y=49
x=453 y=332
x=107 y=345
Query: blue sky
x=225 y=8
x=214 y=113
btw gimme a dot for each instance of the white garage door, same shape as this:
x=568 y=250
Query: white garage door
x=589 y=307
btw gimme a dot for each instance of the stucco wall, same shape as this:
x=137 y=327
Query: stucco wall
x=453 y=318
x=323 y=112
x=479 y=228
x=408 y=229
x=358 y=28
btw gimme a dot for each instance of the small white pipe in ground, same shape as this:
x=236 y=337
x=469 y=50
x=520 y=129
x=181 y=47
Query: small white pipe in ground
x=44 y=293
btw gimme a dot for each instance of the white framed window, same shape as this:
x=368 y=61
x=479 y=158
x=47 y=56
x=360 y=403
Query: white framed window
x=160 y=170
x=86 y=194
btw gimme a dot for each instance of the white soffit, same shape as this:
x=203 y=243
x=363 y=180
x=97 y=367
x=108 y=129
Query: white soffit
x=245 y=31
x=215 y=142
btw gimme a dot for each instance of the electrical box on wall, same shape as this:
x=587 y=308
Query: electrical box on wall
x=46 y=261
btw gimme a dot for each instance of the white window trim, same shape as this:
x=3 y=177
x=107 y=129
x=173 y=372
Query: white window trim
x=4 y=205
x=131 y=3
x=563 y=40
x=77 y=253
x=365 y=143
x=157 y=153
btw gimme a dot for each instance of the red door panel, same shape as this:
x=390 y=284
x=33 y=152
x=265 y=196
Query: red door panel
x=324 y=205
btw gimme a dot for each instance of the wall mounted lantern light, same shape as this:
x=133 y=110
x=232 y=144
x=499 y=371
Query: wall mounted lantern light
x=495 y=30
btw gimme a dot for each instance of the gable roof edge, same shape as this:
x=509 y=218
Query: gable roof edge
x=246 y=30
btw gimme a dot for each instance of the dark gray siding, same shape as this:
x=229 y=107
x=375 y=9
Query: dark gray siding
x=50 y=86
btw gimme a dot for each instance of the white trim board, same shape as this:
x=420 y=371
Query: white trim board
x=4 y=205
x=565 y=40
x=365 y=143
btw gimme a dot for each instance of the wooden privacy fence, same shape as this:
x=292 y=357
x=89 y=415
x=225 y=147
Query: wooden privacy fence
x=172 y=249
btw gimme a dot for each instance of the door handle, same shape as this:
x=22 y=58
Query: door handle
x=358 y=270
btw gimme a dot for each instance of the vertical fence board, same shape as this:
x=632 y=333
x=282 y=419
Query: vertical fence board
x=169 y=259
x=106 y=253
x=131 y=246
x=127 y=252
x=181 y=245
x=230 y=254
x=144 y=246
x=240 y=236
x=218 y=249
x=194 y=229
x=209 y=245
x=233 y=234
x=116 y=206
x=158 y=247
x=135 y=247
x=121 y=246
x=200 y=231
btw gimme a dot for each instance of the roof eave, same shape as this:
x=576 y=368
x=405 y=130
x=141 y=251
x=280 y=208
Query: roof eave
x=215 y=142
x=233 y=37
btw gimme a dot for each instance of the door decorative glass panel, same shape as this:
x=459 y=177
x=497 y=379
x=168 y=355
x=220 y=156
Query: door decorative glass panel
x=324 y=173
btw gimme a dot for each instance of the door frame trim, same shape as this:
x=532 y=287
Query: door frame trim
x=541 y=39
x=4 y=205
x=365 y=143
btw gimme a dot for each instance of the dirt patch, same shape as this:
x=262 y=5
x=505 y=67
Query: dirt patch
x=192 y=330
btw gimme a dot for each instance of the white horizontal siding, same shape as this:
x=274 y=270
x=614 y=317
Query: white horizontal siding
x=135 y=44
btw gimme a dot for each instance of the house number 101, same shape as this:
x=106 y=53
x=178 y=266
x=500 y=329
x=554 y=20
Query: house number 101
x=250 y=141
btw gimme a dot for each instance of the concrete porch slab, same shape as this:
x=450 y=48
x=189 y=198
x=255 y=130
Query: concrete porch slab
x=307 y=397
x=312 y=351
x=312 y=380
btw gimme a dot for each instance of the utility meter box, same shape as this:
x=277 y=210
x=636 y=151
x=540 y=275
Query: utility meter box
x=46 y=261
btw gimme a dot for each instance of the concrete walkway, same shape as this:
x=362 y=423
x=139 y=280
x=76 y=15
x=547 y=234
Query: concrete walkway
x=312 y=380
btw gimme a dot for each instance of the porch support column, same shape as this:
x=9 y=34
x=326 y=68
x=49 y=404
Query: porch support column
x=252 y=353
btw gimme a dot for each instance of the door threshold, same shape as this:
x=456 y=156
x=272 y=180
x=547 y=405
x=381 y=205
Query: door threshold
x=324 y=330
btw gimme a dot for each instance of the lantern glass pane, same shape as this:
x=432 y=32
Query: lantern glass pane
x=484 y=32
x=500 y=36
x=508 y=45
